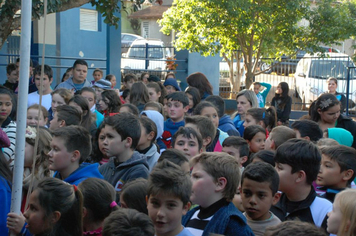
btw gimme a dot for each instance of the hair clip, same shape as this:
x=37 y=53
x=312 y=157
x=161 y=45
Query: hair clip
x=113 y=204
x=75 y=188
x=325 y=103
x=30 y=132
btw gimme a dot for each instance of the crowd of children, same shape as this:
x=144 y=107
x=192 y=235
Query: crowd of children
x=151 y=159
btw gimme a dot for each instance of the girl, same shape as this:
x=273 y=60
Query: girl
x=112 y=79
x=194 y=98
x=60 y=96
x=96 y=207
x=55 y=208
x=133 y=195
x=255 y=136
x=127 y=107
x=33 y=118
x=283 y=103
x=342 y=219
x=144 y=77
x=82 y=105
x=154 y=91
x=326 y=112
x=139 y=95
x=267 y=118
x=97 y=75
x=98 y=154
x=245 y=99
x=146 y=145
x=332 y=87
x=109 y=103
x=199 y=81
x=209 y=110
x=7 y=125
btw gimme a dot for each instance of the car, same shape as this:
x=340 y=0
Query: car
x=127 y=40
x=312 y=71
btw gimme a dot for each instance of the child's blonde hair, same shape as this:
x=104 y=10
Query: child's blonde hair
x=347 y=204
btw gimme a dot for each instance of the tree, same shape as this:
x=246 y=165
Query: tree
x=256 y=28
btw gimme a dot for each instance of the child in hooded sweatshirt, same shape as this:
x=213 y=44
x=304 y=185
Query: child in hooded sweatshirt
x=158 y=119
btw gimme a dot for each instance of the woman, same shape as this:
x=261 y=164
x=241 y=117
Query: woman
x=245 y=99
x=283 y=103
x=199 y=81
x=332 y=87
x=326 y=112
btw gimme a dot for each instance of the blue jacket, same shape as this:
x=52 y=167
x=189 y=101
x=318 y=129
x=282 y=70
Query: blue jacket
x=133 y=168
x=5 y=197
x=226 y=221
x=226 y=125
x=239 y=124
x=99 y=118
x=85 y=170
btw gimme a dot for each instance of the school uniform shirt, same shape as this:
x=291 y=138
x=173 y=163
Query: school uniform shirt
x=259 y=226
x=85 y=170
x=9 y=127
x=170 y=128
x=34 y=98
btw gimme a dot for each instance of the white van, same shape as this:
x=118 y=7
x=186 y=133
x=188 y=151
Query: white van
x=313 y=70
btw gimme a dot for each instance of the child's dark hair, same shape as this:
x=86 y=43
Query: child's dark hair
x=128 y=222
x=70 y=135
x=139 y=94
x=238 y=143
x=295 y=228
x=113 y=99
x=69 y=114
x=262 y=172
x=98 y=197
x=43 y=110
x=302 y=155
x=199 y=81
x=84 y=105
x=87 y=89
x=308 y=128
x=134 y=195
x=4 y=90
x=98 y=70
x=204 y=125
x=156 y=105
x=155 y=86
x=127 y=125
x=128 y=77
x=194 y=92
x=324 y=102
x=344 y=156
x=188 y=133
x=96 y=154
x=252 y=130
x=218 y=102
x=284 y=96
x=125 y=93
x=168 y=178
x=204 y=104
x=47 y=70
x=133 y=109
x=180 y=97
x=56 y=195
x=267 y=116
x=80 y=62
x=266 y=156
x=149 y=126
x=173 y=155
x=10 y=68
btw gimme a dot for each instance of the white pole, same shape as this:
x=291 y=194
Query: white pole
x=25 y=43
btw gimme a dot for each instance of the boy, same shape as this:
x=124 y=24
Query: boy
x=177 y=157
x=67 y=155
x=307 y=129
x=187 y=140
x=337 y=170
x=259 y=191
x=12 y=77
x=122 y=133
x=129 y=80
x=79 y=78
x=238 y=148
x=90 y=95
x=34 y=98
x=215 y=178
x=297 y=164
x=279 y=135
x=171 y=86
x=204 y=126
x=169 y=190
x=65 y=115
x=177 y=105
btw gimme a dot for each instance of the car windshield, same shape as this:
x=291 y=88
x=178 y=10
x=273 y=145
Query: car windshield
x=325 y=68
x=139 y=51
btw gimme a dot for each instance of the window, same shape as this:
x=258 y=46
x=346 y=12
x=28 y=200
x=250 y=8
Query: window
x=88 y=20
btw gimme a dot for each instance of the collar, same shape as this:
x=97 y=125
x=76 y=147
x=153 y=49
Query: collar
x=304 y=203
x=212 y=209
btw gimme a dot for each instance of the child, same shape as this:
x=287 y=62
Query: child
x=255 y=136
x=341 y=135
x=177 y=157
x=342 y=218
x=146 y=145
x=283 y=103
x=261 y=95
x=112 y=79
x=155 y=106
x=59 y=97
x=171 y=86
x=337 y=169
x=259 y=191
x=122 y=134
x=209 y=110
x=37 y=114
x=12 y=77
x=90 y=95
x=238 y=148
x=295 y=228
x=67 y=155
x=194 y=98
x=277 y=136
x=133 y=195
x=109 y=103
x=129 y=80
x=158 y=119
x=178 y=105
x=215 y=178
x=267 y=118
x=264 y=156
x=65 y=115
x=96 y=207
x=154 y=91
x=307 y=129
x=79 y=78
x=169 y=189
x=128 y=222
x=127 y=107
x=97 y=75
x=297 y=164
x=82 y=105
x=34 y=98
x=187 y=140
x=98 y=152
x=55 y=209
x=139 y=95
x=204 y=126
